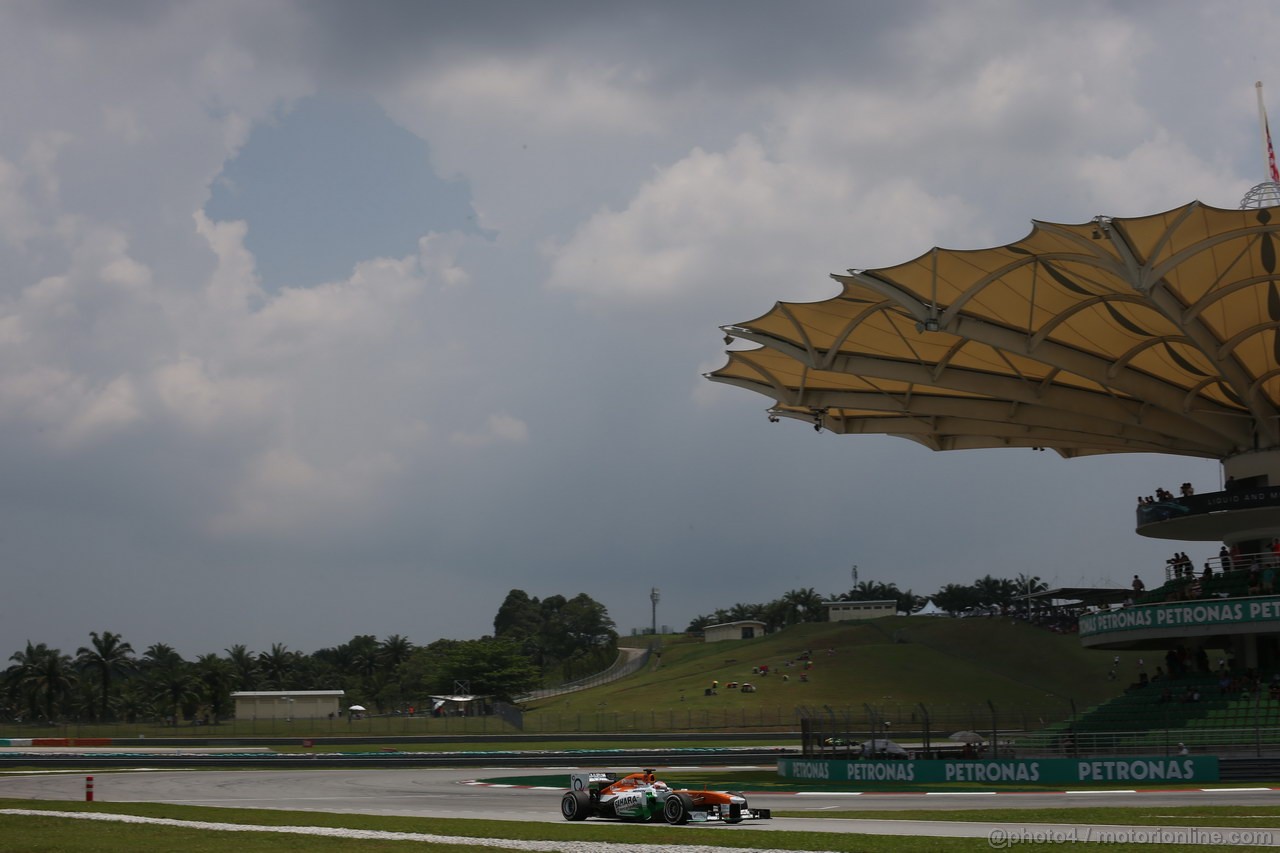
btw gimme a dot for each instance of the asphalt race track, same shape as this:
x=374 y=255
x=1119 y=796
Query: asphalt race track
x=444 y=793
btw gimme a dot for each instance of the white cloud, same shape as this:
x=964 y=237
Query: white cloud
x=234 y=286
x=102 y=411
x=747 y=224
x=204 y=403
x=1158 y=174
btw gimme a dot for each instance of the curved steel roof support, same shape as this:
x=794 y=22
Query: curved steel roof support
x=1122 y=360
x=1044 y=332
x=1056 y=396
x=803 y=335
x=1138 y=385
x=1162 y=296
x=854 y=322
x=1233 y=374
x=992 y=411
x=963 y=427
x=892 y=292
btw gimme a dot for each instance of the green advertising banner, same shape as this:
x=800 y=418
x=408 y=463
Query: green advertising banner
x=1011 y=771
x=1210 y=612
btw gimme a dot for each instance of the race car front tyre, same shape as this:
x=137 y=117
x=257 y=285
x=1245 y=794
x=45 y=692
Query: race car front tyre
x=676 y=808
x=575 y=805
x=735 y=812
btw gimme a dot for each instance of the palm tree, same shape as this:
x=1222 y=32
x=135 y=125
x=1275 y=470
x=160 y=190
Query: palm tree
x=995 y=591
x=277 y=665
x=109 y=655
x=168 y=678
x=42 y=676
x=133 y=702
x=55 y=680
x=173 y=685
x=394 y=650
x=21 y=679
x=216 y=676
x=160 y=655
x=244 y=665
x=1029 y=585
x=803 y=605
x=872 y=591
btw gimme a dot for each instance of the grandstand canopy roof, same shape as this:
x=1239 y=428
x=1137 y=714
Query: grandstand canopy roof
x=1093 y=596
x=1151 y=334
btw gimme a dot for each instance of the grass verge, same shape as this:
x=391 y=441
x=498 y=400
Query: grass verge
x=40 y=834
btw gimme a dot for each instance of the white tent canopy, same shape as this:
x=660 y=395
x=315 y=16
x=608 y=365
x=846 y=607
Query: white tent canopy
x=930 y=609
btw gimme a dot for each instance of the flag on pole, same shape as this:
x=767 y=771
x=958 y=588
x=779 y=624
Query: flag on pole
x=1271 y=151
x=1272 y=172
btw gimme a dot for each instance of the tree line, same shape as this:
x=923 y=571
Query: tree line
x=806 y=604
x=535 y=643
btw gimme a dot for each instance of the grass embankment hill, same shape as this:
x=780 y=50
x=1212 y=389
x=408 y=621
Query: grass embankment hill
x=892 y=662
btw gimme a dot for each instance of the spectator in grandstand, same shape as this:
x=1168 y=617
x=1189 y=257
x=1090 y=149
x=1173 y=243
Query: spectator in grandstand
x=1255 y=580
x=1208 y=571
x=1224 y=556
x=1187 y=490
x=1138 y=586
x=1268 y=580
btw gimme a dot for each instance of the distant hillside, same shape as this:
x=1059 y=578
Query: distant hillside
x=949 y=665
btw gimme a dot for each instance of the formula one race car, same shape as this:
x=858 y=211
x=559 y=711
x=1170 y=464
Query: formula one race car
x=641 y=797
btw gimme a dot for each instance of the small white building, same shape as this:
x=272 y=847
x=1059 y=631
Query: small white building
x=746 y=629
x=847 y=611
x=287 y=704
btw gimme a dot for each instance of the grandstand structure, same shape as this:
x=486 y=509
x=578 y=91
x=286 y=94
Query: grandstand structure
x=1153 y=334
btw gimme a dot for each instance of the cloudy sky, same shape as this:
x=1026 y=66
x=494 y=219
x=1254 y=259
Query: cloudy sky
x=327 y=318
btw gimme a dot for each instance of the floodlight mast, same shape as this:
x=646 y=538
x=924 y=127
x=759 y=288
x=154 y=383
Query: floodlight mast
x=653 y=598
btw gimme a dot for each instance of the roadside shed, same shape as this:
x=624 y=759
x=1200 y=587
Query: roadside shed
x=287 y=704
x=745 y=629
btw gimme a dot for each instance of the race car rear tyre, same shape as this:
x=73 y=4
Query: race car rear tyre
x=676 y=809
x=575 y=805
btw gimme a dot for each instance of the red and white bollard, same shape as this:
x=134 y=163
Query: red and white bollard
x=88 y=789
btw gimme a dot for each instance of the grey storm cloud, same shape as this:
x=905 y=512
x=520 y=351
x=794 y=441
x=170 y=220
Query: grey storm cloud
x=228 y=415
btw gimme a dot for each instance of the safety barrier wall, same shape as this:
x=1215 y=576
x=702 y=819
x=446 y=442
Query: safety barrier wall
x=1177 y=769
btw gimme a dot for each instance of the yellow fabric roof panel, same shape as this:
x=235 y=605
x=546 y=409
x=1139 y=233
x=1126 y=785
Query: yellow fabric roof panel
x=1146 y=334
